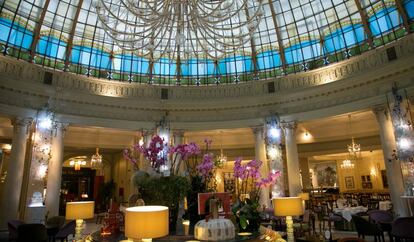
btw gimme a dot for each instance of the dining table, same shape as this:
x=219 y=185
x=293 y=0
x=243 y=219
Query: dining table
x=347 y=212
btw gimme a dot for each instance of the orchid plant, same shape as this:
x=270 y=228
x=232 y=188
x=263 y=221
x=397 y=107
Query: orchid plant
x=155 y=153
x=158 y=153
x=207 y=168
x=248 y=191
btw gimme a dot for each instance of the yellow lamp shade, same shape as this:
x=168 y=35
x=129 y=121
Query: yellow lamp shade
x=80 y=210
x=145 y=222
x=287 y=206
x=304 y=196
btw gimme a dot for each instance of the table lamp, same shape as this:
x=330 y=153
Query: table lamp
x=288 y=206
x=305 y=197
x=146 y=222
x=79 y=211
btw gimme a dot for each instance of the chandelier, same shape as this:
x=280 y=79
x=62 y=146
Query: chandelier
x=77 y=162
x=213 y=28
x=347 y=164
x=354 y=149
x=96 y=160
x=222 y=158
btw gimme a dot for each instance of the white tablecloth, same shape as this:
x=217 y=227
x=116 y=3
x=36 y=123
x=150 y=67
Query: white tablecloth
x=384 y=205
x=347 y=212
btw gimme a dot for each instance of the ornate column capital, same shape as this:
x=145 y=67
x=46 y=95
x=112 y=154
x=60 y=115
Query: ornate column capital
x=59 y=126
x=381 y=110
x=257 y=129
x=289 y=125
x=21 y=123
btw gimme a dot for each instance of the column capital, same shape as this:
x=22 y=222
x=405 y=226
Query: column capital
x=59 y=126
x=257 y=129
x=380 y=110
x=289 y=125
x=21 y=123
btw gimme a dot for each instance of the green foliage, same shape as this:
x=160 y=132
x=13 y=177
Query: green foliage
x=247 y=215
x=166 y=191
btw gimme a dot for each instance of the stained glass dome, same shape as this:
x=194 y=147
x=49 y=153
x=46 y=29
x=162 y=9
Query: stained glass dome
x=292 y=36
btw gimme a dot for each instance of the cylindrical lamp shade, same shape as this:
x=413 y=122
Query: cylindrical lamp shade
x=80 y=210
x=287 y=206
x=145 y=222
x=304 y=196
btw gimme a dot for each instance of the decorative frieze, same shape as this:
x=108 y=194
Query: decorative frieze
x=364 y=77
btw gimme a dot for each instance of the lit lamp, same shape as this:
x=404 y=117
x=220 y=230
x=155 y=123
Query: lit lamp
x=146 y=222
x=79 y=211
x=288 y=206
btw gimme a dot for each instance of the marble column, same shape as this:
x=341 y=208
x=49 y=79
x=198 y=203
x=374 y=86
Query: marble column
x=292 y=157
x=144 y=165
x=393 y=168
x=260 y=154
x=178 y=138
x=54 y=174
x=14 y=179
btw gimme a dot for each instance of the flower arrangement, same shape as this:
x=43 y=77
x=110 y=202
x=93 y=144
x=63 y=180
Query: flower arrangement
x=246 y=208
x=207 y=168
x=155 y=153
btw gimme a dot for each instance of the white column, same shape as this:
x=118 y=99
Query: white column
x=260 y=154
x=393 y=168
x=292 y=156
x=54 y=174
x=178 y=138
x=147 y=136
x=14 y=179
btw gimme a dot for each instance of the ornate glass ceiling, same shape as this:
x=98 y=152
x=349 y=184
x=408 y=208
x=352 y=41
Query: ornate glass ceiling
x=292 y=36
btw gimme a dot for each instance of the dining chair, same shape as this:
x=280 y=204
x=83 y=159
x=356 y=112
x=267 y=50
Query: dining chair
x=364 y=227
x=12 y=226
x=32 y=233
x=326 y=214
x=403 y=229
x=384 y=219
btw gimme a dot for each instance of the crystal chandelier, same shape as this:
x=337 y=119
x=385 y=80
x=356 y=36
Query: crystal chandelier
x=96 y=160
x=347 y=164
x=354 y=149
x=209 y=28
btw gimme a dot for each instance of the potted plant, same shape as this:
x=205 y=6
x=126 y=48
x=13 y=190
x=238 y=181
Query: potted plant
x=246 y=208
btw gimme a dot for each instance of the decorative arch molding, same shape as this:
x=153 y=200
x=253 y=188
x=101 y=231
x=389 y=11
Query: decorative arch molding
x=355 y=84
